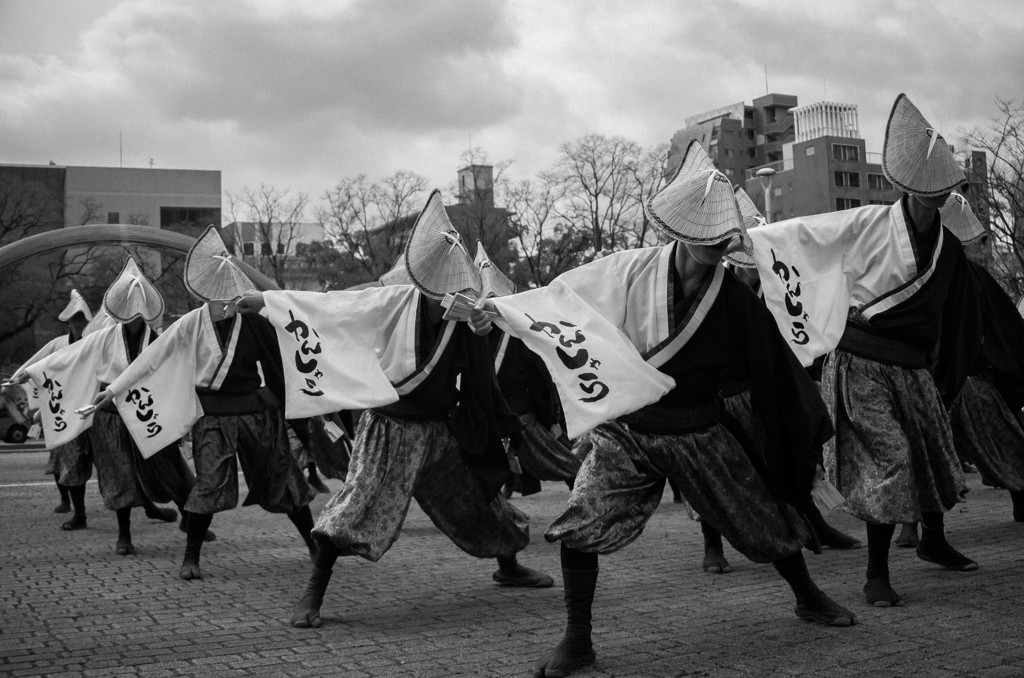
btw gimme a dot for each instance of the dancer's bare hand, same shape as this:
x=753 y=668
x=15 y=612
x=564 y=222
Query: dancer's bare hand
x=482 y=317
x=250 y=302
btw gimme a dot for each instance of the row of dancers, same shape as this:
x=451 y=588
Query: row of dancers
x=644 y=366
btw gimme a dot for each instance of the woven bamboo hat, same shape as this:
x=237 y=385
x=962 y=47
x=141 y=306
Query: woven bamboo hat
x=132 y=296
x=915 y=157
x=210 y=271
x=751 y=219
x=435 y=256
x=75 y=305
x=697 y=206
x=494 y=283
x=398 y=275
x=958 y=217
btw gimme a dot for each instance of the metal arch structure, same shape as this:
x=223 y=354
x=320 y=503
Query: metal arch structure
x=112 y=234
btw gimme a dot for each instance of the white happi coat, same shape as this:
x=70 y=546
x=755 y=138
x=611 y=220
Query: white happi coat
x=813 y=269
x=32 y=393
x=349 y=350
x=156 y=394
x=616 y=311
x=72 y=376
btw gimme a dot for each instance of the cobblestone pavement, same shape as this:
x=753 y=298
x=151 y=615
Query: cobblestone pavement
x=70 y=606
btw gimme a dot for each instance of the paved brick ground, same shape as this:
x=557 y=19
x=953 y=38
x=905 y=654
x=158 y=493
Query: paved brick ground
x=70 y=606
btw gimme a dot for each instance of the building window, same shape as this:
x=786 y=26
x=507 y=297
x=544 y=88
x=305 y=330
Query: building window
x=751 y=152
x=848 y=179
x=265 y=249
x=879 y=202
x=777 y=191
x=847 y=203
x=729 y=153
x=113 y=217
x=879 y=182
x=750 y=134
x=187 y=219
x=809 y=151
x=845 y=152
x=280 y=248
x=248 y=249
x=729 y=171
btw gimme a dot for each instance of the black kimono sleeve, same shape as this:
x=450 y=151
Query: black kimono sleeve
x=785 y=399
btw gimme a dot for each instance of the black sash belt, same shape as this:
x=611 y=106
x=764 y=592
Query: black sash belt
x=860 y=341
x=219 y=403
x=673 y=420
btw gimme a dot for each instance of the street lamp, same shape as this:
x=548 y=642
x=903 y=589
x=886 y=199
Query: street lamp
x=765 y=175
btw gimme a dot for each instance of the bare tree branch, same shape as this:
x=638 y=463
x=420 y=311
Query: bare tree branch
x=276 y=216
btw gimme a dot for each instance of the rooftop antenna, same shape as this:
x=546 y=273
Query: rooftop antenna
x=766 y=78
x=151 y=163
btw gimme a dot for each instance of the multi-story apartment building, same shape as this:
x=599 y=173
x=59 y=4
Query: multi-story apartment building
x=738 y=137
x=825 y=168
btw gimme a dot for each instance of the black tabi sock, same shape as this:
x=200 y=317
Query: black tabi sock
x=879 y=539
x=124 y=522
x=64 y=497
x=794 y=570
x=577 y=560
x=198 y=524
x=712 y=539
x=1017 y=497
x=326 y=554
x=303 y=522
x=933 y=520
x=77 y=494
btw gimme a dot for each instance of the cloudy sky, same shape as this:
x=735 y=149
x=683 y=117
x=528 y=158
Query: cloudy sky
x=302 y=94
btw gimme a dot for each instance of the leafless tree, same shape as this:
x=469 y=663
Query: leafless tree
x=371 y=221
x=1003 y=196
x=597 y=173
x=28 y=292
x=276 y=215
x=548 y=245
x=648 y=178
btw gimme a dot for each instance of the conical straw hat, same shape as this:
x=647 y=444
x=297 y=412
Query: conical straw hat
x=76 y=305
x=210 y=270
x=697 y=206
x=494 y=282
x=132 y=296
x=958 y=217
x=915 y=157
x=751 y=219
x=435 y=255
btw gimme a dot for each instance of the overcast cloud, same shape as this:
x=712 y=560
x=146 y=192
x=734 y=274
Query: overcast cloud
x=303 y=94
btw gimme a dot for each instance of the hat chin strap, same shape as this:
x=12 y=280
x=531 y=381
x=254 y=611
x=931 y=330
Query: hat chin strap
x=934 y=136
x=713 y=174
x=135 y=282
x=455 y=240
x=234 y=271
